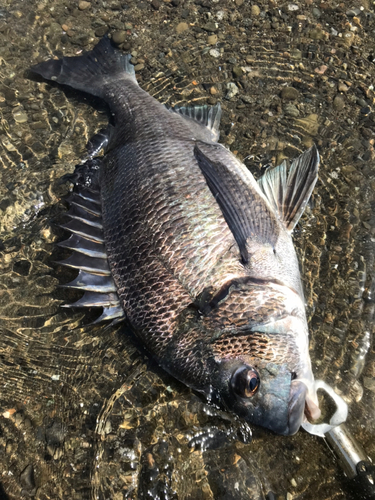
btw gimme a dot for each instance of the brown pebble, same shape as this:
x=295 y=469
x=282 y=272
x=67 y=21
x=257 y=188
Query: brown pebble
x=119 y=37
x=212 y=40
x=342 y=87
x=83 y=5
x=65 y=27
x=289 y=93
x=255 y=10
x=181 y=27
x=213 y=90
x=321 y=70
x=338 y=103
x=155 y=4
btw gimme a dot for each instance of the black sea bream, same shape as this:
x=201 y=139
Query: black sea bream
x=171 y=231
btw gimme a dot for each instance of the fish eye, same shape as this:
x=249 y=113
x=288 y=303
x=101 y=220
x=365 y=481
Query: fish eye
x=245 y=381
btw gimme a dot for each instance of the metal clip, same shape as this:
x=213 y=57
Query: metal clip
x=338 y=417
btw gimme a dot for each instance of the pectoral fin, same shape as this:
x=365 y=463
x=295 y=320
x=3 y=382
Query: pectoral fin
x=244 y=209
x=288 y=193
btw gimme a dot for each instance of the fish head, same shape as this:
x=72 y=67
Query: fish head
x=266 y=378
x=268 y=396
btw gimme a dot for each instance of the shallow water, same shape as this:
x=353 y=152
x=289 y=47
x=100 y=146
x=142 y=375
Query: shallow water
x=83 y=412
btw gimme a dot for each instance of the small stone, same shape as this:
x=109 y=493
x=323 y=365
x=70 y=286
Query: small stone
x=27 y=479
x=83 y=5
x=232 y=90
x=321 y=70
x=316 y=34
x=214 y=53
x=176 y=3
x=296 y=54
x=139 y=67
x=156 y=4
x=237 y=71
x=316 y=12
x=181 y=27
x=289 y=94
x=65 y=27
x=293 y=482
x=255 y=10
x=366 y=110
x=213 y=91
x=353 y=12
x=292 y=7
x=211 y=27
x=338 y=103
x=239 y=2
x=20 y=116
x=212 y=40
x=342 y=87
x=291 y=110
x=119 y=37
x=101 y=31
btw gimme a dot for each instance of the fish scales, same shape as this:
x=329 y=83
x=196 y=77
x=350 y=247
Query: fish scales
x=199 y=253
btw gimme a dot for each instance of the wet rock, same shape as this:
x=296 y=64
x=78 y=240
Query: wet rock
x=20 y=116
x=212 y=40
x=211 y=27
x=291 y=110
x=316 y=12
x=55 y=434
x=237 y=71
x=232 y=90
x=289 y=94
x=119 y=37
x=321 y=69
x=101 y=31
x=342 y=87
x=338 y=103
x=181 y=27
x=255 y=10
x=355 y=11
x=214 y=53
x=316 y=34
x=27 y=480
x=83 y=5
x=156 y=4
x=139 y=67
x=176 y=3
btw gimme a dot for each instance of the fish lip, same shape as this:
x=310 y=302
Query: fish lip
x=296 y=407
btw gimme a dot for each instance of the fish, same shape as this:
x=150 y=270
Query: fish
x=172 y=233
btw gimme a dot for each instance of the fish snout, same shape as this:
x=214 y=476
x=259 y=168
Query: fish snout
x=296 y=407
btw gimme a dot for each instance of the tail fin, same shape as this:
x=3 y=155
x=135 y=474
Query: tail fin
x=90 y=71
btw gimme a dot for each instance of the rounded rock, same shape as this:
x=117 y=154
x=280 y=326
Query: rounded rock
x=83 y=5
x=181 y=27
x=156 y=4
x=289 y=94
x=119 y=37
x=212 y=40
x=291 y=110
x=255 y=10
x=338 y=103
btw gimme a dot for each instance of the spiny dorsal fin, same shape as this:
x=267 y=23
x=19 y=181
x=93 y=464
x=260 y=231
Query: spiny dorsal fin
x=208 y=116
x=246 y=212
x=289 y=193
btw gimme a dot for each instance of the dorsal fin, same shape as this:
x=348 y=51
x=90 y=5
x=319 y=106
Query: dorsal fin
x=208 y=116
x=289 y=193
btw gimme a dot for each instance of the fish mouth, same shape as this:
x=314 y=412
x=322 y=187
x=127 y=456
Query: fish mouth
x=296 y=407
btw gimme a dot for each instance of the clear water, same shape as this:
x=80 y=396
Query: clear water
x=83 y=413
